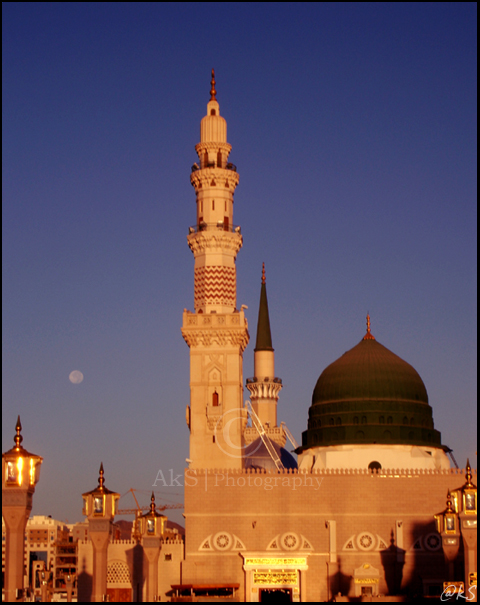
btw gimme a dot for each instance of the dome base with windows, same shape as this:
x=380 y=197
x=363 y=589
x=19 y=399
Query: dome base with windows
x=373 y=456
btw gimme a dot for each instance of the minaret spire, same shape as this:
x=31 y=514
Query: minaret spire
x=264 y=387
x=264 y=335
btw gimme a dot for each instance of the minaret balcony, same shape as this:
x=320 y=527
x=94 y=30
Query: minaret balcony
x=228 y=166
x=267 y=379
x=219 y=226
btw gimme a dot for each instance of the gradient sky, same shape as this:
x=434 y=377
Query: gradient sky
x=353 y=126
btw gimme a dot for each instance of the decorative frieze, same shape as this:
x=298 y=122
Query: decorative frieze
x=223 y=337
x=203 y=178
x=215 y=241
x=264 y=390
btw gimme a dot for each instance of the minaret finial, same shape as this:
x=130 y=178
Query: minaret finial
x=18 y=437
x=264 y=281
x=213 y=92
x=368 y=335
x=152 y=503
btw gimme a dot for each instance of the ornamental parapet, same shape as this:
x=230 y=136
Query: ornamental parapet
x=215 y=328
x=380 y=473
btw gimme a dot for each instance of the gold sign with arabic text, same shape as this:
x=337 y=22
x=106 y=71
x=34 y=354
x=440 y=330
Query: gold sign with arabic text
x=275 y=577
x=276 y=561
x=367 y=580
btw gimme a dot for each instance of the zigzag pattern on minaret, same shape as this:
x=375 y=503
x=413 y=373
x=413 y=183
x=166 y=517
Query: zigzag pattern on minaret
x=215 y=285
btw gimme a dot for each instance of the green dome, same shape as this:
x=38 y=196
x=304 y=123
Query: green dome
x=369 y=371
x=370 y=395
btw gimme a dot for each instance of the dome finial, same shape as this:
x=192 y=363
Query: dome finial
x=264 y=281
x=213 y=92
x=152 y=503
x=368 y=335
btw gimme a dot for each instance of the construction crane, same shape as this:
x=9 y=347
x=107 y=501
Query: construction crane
x=450 y=453
x=135 y=511
x=263 y=436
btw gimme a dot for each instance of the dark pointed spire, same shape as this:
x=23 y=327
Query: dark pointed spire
x=264 y=336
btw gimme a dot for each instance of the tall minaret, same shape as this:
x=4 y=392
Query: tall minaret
x=217 y=333
x=265 y=387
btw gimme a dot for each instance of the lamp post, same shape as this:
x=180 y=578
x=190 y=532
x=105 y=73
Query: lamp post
x=151 y=530
x=448 y=528
x=69 y=582
x=21 y=472
x=465 y=504
x=44 y=585
x=99 y=506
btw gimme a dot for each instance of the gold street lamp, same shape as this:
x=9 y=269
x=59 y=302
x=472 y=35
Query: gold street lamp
x=21 y=472
x=99 y=506
x=448 y=528
x=465 y=504
x=151 y=527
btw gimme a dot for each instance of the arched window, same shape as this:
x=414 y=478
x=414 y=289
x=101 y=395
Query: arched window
x=355 y=420
x=215 y=399
x=389 y=420
x=331 y=421
x=412 y=421
x=364 y=420
x=382 y=419
x=219 y=159
x=213 y=112
x=405 y=420
x=374 y=466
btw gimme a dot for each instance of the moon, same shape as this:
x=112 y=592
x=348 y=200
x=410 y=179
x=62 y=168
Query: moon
x=76 y=377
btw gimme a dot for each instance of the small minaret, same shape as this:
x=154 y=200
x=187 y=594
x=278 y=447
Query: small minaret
x=265 y=387
x=216 y=332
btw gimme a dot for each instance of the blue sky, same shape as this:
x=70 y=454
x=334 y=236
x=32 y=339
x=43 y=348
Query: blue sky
x=353 y=126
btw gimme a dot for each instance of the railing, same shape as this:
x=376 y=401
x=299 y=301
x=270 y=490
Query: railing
x=220 y=226
x=228 y=166
x=267 y=379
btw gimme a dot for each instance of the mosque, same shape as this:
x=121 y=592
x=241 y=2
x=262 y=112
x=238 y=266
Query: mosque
x=355 y=516
x=352 y=518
